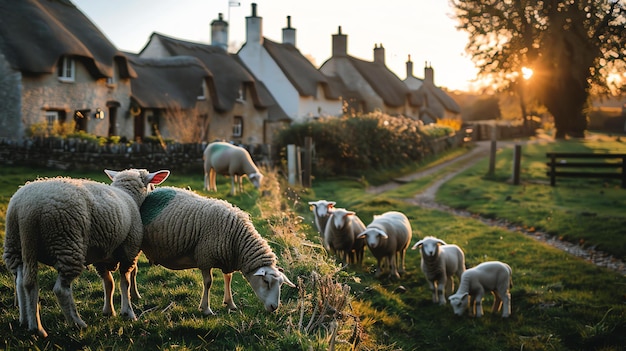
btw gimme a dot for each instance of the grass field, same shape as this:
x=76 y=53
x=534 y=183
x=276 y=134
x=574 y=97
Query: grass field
x=559 y=302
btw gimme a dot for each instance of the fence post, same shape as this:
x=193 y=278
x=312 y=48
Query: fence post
x=292 y=164
x=517 y=156
x=552 y=169
x=624 y=172
x=306 y=171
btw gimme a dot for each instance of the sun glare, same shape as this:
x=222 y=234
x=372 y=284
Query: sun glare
x=527 y=73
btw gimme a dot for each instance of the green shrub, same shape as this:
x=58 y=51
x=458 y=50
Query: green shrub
x=352 y=145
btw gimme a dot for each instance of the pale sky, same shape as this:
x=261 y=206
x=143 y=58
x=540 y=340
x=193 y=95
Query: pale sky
x=420 y=28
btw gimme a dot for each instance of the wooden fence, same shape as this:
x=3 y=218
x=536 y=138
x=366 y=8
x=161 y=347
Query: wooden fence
x=593 y=166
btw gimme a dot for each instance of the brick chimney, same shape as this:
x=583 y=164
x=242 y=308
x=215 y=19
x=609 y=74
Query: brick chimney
x=340 y=44
x=289 y=34
x=429 y=73
x=254 y=27
x=409 y=67
x=219 y=32
x=379 y=54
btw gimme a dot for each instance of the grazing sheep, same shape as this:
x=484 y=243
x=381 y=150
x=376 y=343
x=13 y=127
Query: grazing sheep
x=227 y=159
x=494 y=276
x=184 y=230
x=322 y=210
x=71 y=223
x=388 y=236
x=341 y=236
x=440 y=262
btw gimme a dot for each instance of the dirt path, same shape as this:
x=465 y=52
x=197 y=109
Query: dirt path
x=426 y=199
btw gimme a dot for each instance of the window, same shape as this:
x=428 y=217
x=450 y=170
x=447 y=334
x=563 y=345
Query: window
x=111 y=80
x=51 y=117
x=241 y=94
x=203 y=91
x=238 y=126
x=65 y=69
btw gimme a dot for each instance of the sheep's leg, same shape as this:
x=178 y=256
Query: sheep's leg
x=497 y=302
x=433 y=290
x=125 y=283
x=393 y=269
x=479 y=304
x=27 y=281
x=401 y=267
x=20 y=294
x=134 y=292
x=449 y=285
x=205 y=303
x=212 y=180
x=228 y=293
x=63 y=291
x=233 y=190
x=108 y=285
x=506 y=304
x=441 y=287
x=379 y=269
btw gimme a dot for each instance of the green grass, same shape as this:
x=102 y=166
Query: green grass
x=559 y=302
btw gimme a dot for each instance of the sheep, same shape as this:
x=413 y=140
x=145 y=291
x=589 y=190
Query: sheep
x=388 y=236
x=494 y=276
x=68 y=224
x=227 y=159
x=184 y=230
x=440 y=262
x=341 y=235
x=322 y=210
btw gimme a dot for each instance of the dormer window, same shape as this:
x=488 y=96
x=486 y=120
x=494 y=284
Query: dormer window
x=66 y=69
x=241 y=94
x=111 y=80
x=203 y=91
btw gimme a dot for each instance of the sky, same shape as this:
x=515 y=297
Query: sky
x=422 y=29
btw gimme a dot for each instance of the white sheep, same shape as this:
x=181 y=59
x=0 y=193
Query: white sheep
x=322 y=210
x=494 y=276
x=184 y=230
x=228 y=159
x=388 y=236
x=440 y=262
x=341 y=235
x=71 y=223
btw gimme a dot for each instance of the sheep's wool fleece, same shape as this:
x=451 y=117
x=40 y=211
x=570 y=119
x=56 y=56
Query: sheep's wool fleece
x=71 y=219
x=214 y=233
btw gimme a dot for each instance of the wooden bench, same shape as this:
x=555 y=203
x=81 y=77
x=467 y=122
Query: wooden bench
x=592 y=162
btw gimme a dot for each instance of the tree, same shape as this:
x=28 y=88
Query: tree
x=572 y=47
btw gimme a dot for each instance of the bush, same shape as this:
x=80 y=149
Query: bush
x=351 y=145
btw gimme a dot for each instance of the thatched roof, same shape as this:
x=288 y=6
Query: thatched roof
x=35 y=34
x=171 y=82
x=299 y=70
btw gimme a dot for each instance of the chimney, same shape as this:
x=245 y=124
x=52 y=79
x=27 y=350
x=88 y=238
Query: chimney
x=379 y=54
x=409 y=67
x=219 y=32
x=254 y=28
x=340 y=44
x=289 y=34
x=429 y=73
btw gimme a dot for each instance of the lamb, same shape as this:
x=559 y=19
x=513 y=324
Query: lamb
x=322 y=210
x=184 y=230
x=341 y=236
x=234 y=161
x=71 y=223
x=440 y=262
x=388 y=236
x=494 y=276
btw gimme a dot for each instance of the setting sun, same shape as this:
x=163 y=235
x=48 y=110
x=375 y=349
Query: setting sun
x=527 y=73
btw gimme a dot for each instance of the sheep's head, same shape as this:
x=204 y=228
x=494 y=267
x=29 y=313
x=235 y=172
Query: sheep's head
x=373 y=236
x=256 y=179
x=322 y=208
x=341 y=217
x=266 y=283
x=459 y=303
x=133 y=179
x=429 y=245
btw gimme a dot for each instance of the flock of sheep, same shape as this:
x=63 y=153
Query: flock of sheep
x=388 y=237
x=71 y=223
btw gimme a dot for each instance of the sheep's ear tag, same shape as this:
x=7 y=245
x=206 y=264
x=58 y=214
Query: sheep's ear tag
x=260 y=272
